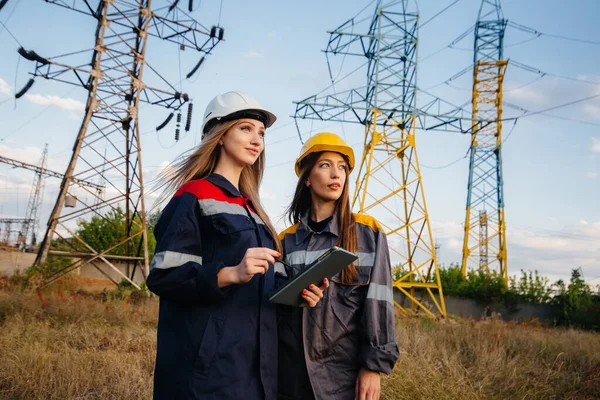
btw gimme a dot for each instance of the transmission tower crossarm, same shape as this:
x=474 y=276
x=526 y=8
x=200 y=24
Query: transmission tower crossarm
x=46 y=172
x=14 y=220
x=351 y=106
x=185 y=34
x=56 y=71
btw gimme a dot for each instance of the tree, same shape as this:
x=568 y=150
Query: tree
x=104 y=232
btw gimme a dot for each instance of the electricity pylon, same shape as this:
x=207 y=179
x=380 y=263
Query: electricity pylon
x=33 y=205
x=484 y=243
x=108 y=146
x=389 y=184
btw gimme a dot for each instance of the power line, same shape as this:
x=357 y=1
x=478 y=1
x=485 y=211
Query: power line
x=445 y=165
x=453 y=77
x=534 y=31
x=438 y=14
x=538 y=71
x=35 y=117
x=10 y=33
x=511 y=131
x=525 y=111
x=449 y=46
x=9 y=16
x=465 y=156
x=531 y=113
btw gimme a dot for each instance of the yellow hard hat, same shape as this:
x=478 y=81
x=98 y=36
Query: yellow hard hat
x=325 y=141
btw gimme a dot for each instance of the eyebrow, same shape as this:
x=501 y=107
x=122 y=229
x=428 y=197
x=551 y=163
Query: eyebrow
x=331 y=161
x=249 y=121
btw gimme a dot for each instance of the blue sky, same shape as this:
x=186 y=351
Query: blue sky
x=273 y=51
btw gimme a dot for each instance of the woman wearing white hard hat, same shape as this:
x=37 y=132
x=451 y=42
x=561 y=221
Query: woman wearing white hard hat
x=338 y=349
x=217 y=333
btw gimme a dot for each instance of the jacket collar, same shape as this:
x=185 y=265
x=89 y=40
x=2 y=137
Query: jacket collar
x=304 y=230
x=222 y=183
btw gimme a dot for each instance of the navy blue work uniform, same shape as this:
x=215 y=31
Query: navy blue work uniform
x=213 y=343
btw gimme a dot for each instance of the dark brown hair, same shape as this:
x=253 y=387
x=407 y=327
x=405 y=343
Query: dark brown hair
x=302 y=202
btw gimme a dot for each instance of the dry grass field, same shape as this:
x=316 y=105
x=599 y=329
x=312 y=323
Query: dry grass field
x=63 y=343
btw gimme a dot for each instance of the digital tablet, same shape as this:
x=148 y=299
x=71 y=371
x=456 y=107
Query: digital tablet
x=327 y=265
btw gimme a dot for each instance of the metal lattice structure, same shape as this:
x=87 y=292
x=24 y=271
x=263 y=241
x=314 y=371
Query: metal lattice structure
x=389 y=184
x=8 y=235
x=108 y=148
x=33 y=205
x=46 y=172
x=484 y=244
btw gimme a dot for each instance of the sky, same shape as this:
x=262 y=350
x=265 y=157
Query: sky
x=273 y=50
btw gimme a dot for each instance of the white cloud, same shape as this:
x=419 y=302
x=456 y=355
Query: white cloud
x=596 y=144
x=65 y=104
x=591 y=175
x=455 y=244
x=592 y=110
x=27 y=154
x=529 y=95
x=554 y=253
x=5 y=88
x=253 y=54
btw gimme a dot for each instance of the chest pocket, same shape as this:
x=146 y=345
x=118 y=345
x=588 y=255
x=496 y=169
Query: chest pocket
x=349 y=297
x=227 y=224
x=362 y=277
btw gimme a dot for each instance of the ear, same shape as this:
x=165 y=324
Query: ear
x=307 y=183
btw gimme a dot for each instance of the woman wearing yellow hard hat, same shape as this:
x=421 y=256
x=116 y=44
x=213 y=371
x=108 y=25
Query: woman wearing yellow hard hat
x=337 y=349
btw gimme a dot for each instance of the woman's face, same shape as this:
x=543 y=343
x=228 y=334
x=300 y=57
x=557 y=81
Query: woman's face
x=328 y=176
x=243 y=142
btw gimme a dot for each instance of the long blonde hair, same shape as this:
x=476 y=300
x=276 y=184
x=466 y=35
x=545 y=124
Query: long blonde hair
x=203 y=161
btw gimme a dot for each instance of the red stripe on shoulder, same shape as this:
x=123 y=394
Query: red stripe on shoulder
x=205 y=190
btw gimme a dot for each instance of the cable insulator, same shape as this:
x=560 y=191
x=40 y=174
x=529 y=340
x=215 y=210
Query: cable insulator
x=177 y=134
x=165 y=122
x=178 y=118
x=188 y=122
x=213 y=31
x=191 y=6
x=172 y=6
x=32 y=56
x=25 y=89
x=221 y=33
x=193 y=71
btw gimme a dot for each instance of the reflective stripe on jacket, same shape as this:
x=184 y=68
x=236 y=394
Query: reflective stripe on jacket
x=350 y=328
x=212 y=343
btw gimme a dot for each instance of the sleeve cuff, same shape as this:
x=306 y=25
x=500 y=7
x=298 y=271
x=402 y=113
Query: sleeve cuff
x=207 y=282
x=379 y=358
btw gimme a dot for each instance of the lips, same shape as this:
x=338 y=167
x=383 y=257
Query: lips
x=334 y=186
x=253 y=151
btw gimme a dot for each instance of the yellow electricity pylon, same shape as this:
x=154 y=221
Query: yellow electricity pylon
x=389 y=184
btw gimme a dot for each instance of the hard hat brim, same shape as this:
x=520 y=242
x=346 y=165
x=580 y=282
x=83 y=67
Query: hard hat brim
x=270 y=120
x=343 y=150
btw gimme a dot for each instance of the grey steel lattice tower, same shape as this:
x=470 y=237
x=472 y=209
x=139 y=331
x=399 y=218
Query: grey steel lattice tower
x=108 y=146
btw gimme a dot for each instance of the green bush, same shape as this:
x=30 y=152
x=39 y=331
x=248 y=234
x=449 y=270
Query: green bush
x=530 y=288
x=480 y=285
x=576 y=304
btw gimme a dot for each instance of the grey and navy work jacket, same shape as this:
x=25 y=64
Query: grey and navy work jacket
x=213 y=343
x=321 y=349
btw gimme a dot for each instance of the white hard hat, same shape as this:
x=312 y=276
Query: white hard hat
x=235 y=105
